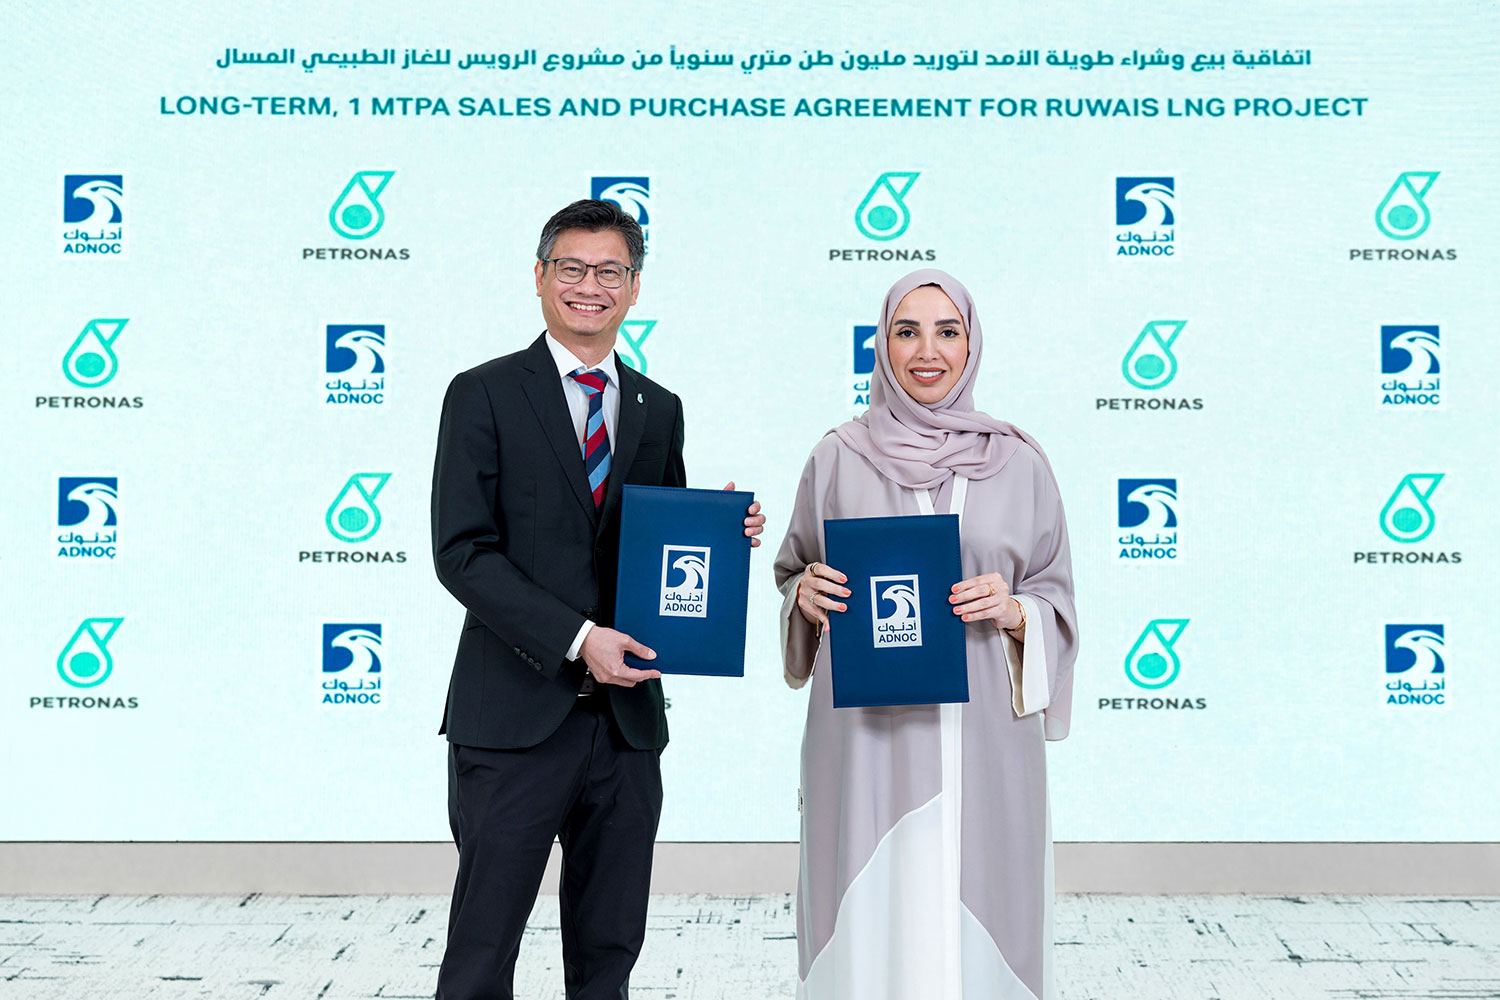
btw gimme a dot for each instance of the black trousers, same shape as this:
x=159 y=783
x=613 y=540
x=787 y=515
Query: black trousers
x=585 y=786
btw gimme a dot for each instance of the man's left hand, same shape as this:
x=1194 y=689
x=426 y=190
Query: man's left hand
x=755 y=521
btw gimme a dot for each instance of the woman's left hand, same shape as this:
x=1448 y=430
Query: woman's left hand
x=985 y=597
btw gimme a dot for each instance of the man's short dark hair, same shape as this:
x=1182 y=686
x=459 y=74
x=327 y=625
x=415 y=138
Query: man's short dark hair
x=596 y=216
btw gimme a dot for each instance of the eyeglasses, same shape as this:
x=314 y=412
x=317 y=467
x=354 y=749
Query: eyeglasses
x=570 y=271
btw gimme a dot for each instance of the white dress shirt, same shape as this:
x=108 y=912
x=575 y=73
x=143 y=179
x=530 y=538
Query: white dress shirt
x=578 y=407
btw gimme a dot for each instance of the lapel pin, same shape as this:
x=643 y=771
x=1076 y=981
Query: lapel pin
x=639 y=398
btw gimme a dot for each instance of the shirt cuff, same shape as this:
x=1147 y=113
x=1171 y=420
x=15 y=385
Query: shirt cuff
x=577 y=647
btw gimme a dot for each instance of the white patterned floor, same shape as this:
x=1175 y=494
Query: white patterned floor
x=723 y=948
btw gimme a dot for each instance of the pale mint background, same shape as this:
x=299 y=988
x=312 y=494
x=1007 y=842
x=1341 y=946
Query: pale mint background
x=228 y=470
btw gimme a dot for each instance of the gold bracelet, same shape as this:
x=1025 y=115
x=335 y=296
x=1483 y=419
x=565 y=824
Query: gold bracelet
x=1021 y=608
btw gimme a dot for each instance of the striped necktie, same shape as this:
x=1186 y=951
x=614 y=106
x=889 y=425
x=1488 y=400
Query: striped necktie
x=595 y=437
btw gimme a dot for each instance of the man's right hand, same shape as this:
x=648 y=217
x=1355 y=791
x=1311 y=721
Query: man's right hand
x=604 y=651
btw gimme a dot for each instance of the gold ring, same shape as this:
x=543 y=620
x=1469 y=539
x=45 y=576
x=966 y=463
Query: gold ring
x=813 y=569
x=992 y=590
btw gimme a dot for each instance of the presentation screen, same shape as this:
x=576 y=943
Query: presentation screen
x=1237 y=274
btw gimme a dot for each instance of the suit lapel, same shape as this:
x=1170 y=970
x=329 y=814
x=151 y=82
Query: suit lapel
x=630 y=426
x=544 y=390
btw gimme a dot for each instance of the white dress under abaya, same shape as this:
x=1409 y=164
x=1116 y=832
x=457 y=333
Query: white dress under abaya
x=926 y=846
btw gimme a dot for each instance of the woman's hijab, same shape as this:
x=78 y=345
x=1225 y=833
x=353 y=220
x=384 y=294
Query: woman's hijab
x=920 y=445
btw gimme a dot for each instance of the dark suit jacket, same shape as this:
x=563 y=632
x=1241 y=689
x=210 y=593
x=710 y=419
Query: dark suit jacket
x=516 y=539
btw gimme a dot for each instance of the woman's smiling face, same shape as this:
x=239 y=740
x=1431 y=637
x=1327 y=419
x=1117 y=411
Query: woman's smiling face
x=928 y=344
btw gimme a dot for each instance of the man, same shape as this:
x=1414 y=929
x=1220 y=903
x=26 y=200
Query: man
x=550 y=733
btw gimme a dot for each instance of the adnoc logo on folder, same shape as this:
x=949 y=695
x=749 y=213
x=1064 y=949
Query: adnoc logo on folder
x=896 y=611
x=911 y=649
x=684 y=580
x=674 y=542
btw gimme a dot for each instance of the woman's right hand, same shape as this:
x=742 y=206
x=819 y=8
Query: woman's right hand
x=818 y=592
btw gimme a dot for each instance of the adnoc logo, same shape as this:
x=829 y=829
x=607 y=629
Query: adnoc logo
x=634 y=332
x=864 y=349
x=355 y=351
x=94 y=199
x=863 y=363
x=631 y=194
x=1148 y=510
x=1152 y=662
x=1414 y=646
x=1145 y=216
x=1150 y=363
x=86 y=509
x=1416 y=665
x=356 y=646
x=85 y=661
x=684 y=581
x=353 y=651
x=93 y=214
x=1407 y=517
x=1411 y=366
x=356 y=213
x=896 y=611
x=1402 y=214
x=353 y=516
x=883 y=214
x=90 y=361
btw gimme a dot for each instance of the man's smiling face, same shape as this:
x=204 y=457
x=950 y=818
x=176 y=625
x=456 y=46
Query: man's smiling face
x=587 y=311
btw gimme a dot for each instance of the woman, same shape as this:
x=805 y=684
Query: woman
x=926 y=847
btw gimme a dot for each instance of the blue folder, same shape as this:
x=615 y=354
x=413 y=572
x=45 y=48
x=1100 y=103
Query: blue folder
x=684 y=579
x=900 y=642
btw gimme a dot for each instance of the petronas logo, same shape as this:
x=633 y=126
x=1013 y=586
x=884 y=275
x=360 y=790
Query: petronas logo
x=353 y=516
x=883 y=214
x=85 y=661
x=357 y=214
x=91 y=361
x=1150 y=363
x=1152 y=662
x=1402 y=214
x=634 y=332
x=1407 y=516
